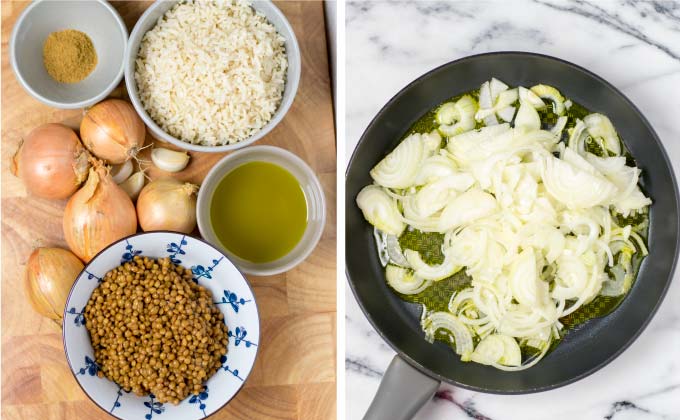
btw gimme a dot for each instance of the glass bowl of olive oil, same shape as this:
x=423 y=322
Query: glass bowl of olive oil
x=264 y=208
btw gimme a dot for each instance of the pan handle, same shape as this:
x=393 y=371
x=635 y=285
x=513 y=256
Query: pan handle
x=402 y=392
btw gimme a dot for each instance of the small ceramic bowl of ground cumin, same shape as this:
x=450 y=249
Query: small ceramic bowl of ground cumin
x=161 y=322
x=68 y=54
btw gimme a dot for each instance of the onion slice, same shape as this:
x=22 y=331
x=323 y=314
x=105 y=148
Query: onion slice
x=400 y=168
x=458 y=334
x=404 y=281
x=431 y=272
x=380 y=210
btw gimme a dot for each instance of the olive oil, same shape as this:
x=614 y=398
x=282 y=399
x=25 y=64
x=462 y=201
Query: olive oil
x=429 y=246
x=259 y=212
x=427 y=122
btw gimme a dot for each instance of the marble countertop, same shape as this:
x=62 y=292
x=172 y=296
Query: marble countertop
x=635 y=45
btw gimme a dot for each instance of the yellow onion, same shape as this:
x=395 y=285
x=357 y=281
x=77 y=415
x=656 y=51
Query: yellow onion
x=51 y=162
x=113 y=131
x=98 y=214
x=50 y=273
x=167 y=204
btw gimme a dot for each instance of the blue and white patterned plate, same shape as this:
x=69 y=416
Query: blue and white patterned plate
x=212 y=270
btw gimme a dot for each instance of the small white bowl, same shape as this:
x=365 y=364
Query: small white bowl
x=148 y=20
x=99 y=20
x=212 y=270
x=314 y=196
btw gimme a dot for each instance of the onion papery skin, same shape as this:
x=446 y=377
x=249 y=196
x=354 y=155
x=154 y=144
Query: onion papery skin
x=167 y=204
x=97 y=215
x=50 y=273
x=51 y=162
x=113 y=131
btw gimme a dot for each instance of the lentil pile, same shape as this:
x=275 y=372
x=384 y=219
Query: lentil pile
x=154 y=330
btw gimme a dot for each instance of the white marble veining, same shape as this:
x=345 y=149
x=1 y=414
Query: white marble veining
x=633 y=44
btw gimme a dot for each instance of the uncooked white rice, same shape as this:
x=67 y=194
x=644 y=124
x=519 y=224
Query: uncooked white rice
x=212 y=72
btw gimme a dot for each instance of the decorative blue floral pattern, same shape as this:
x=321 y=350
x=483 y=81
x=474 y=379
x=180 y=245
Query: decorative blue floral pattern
x=154 y=407
x=79 y=320
x=202 y=396
x=91 y=367
x=175 y=249
x=232 y=299
x=200 y=271
x=239 y=335
x=91 y=276
x=225 y=284
x=130 y=252
x=119 y=394
x=226 y=367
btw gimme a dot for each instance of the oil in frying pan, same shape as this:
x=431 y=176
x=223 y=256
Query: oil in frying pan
x=437 y=296
x=428 y=244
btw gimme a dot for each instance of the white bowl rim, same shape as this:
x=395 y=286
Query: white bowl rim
x=226 y=257
x=202 y=201
x=281 y=111
x=65 y=105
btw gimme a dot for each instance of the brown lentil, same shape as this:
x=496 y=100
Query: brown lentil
x=154 y=330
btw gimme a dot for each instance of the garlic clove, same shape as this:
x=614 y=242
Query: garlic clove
x=169 y=160
x=121 y=172
x=133 y=185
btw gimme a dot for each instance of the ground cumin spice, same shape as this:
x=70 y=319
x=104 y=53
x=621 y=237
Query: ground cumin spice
x=69 y=56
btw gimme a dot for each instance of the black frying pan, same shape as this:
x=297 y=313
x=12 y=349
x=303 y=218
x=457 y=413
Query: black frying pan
x=418 y=367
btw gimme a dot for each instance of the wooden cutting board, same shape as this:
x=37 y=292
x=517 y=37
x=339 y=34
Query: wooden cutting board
x=294 y=376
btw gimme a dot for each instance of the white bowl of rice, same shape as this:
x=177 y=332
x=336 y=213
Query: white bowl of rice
x=212 y=76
